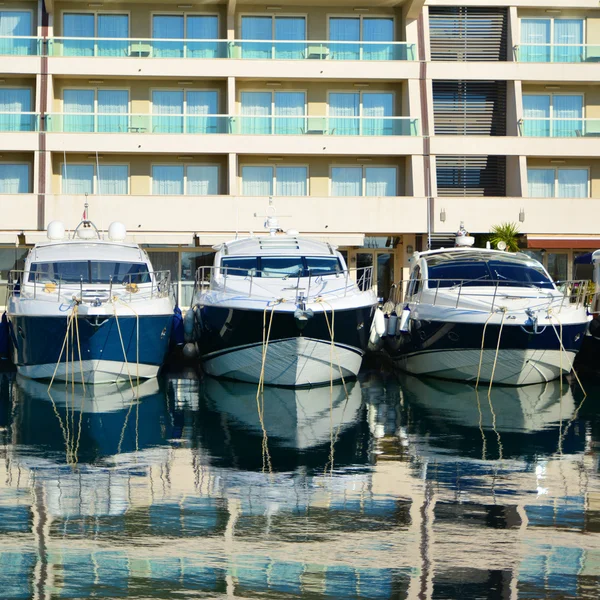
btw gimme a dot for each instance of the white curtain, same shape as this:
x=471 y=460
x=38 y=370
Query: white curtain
x=540 y=183
x=257 y=181
x=344 y=29
x=377 y=106
x=346 y=181
x=256 y=111
x=78 y=26
x=291 y=181
x=536 y=113
x=167 y=103
x=112 y=179
x=573 y=183
x=77 y=179
x=168 y=27
x=290 y=28
x=380 y=181
x=14 y=179
x=257 y=28
x=378 y=30
x=568 y=35
x=290 y=110
x=81 y=104
x=568 y=110
x=202 y=27
x=16 y=23
x=13 y=103
x=113 y=102
x=167 y=180
x=113 y=26
x=535 y=35
x=343 y=104
x=202 y=180
x=202 y=103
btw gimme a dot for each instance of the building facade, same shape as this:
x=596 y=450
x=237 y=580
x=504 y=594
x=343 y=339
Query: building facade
x=378 y=125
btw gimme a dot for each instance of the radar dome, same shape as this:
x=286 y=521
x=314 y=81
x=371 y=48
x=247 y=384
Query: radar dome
x=117 y=232
x=56 y=231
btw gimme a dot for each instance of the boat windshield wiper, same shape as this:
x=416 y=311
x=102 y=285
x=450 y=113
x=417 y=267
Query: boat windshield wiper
x=486 y=276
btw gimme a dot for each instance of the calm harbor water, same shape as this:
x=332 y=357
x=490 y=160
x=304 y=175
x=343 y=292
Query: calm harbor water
x=403 y=488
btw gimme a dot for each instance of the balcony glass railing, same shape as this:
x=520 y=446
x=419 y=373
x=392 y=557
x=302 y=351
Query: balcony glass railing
x=557 y=53
x=233 y=124
x=19 y=121
x=569 y=127
x=20 y=46
x=245 y=49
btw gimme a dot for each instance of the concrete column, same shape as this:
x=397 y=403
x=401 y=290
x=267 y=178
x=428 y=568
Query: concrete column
x=231 y=4
x=412 y=104
x=232 y=174
x=513 y=32
x=415 y=176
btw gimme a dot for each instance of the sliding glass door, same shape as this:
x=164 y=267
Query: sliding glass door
x=267 y=37
x=113 y=109
x=14 y=178
x=167 y=108
x=347 y=108
x=14 y=102
x=16 y=23
x=116 y=28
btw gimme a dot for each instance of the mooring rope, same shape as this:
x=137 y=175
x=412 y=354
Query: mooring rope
x=481 y=351
x=504 y=311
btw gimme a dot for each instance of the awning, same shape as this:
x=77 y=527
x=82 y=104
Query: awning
x=335 y=239
x=577 y=242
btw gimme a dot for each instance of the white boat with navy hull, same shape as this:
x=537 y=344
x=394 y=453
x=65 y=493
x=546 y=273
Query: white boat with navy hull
x=89 y=309
x=479 y=314
x=291 y=297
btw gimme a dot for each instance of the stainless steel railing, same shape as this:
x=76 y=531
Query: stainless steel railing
x=132 y=287
x=222 y=279
x=450 y=292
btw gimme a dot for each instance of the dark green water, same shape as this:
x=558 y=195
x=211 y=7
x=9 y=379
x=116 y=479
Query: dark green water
x=405 y=488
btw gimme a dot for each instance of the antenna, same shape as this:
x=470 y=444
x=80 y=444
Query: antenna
x=271 y=220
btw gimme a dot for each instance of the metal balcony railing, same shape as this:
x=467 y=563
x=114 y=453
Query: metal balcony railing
x=559 y=127
x=232 y=124
x=243 y=49
x=557 y=53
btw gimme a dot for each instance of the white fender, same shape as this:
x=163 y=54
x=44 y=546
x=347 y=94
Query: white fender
x=188 y=325
x=404 y=320
x=190 y=350
x=379 y=323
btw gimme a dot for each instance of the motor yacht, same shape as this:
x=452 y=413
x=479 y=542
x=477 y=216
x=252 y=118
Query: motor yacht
x=282 y=310
x=89 y=309
x=476 y=314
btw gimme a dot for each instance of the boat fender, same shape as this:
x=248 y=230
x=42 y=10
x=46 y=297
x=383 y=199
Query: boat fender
x=378 y=328
x=190 y=350
x=188 y=325
x=379 y=323
x=177 y=331
x=392 y=324
x=404 y=320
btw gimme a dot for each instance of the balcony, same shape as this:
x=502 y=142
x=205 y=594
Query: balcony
x=557 y=53
x=20 y=46
x=18 y=121
x=229 y=124
x=559 y=127
x=241 y=49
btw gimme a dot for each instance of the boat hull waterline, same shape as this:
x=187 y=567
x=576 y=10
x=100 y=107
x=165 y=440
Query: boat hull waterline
x=37 y=343
x=453 y=351
x=298 y=354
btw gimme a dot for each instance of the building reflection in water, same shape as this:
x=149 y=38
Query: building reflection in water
x=404 y=488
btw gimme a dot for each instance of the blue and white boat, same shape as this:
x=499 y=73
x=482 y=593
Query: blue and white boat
x=489 y=315
x=89 y=309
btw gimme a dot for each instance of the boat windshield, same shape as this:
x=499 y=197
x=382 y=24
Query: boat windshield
x=90 y=271
x=281 y=266
x=484 y=272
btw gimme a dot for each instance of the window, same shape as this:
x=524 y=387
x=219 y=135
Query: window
x=364 y=181
x=16 y=23
x=15 y=103
x=192 y=29
x=193 y=180
x=281 y=266
x=552 y=40
x=287 y=181
x=14 y=179
x=185 y=111
x=87 y=26
x=346 y=30
x=90 y=271
x=553 y=115
x=88 y=111
x=273 y=112
x=83 y=179
x=261 y=31
x=361 y=113
x=560 y=183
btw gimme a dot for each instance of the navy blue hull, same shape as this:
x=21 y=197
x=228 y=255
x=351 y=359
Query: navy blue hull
x=225 y=329
x=39 y=340
x=433 y=336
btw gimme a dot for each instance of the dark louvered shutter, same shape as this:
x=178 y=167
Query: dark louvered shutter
x=464 y=33
x=469 y=107
x=471 y=175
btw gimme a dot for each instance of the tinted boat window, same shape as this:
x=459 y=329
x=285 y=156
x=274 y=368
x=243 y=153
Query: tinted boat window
x=323 y=265
x=469 y=274
x=90 y=272
x=280 y=266
x=240 y=266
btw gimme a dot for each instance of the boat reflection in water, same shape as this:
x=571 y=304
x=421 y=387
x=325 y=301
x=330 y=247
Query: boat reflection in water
x=186 y=491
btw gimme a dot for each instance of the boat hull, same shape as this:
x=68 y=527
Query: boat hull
x=299 y=353
x=453 y=351
x=37 y=344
